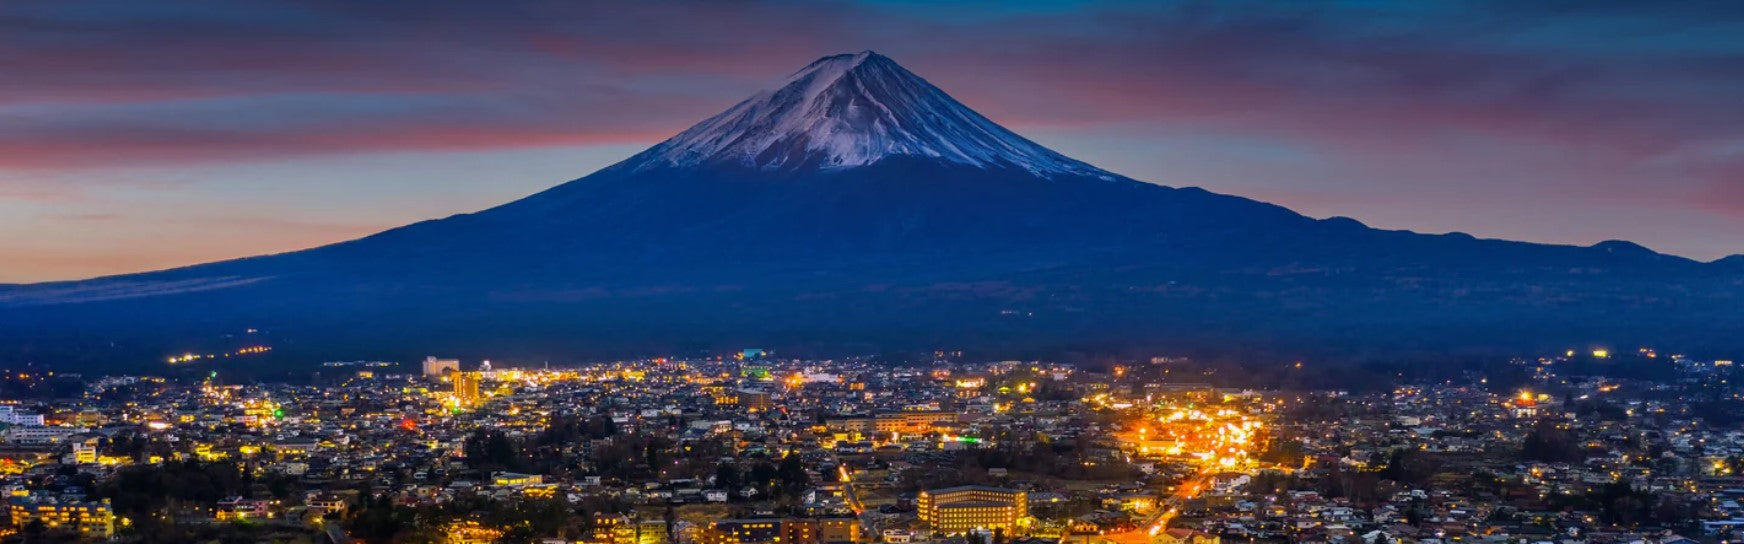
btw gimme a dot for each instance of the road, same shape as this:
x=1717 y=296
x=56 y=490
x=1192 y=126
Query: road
x=1167 y=509
x=848 y=488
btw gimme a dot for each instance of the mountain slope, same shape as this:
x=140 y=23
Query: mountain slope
x=853 y=110
x=856 y=206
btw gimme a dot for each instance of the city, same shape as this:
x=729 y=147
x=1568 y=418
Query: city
x=757 y=449
x=871 y=272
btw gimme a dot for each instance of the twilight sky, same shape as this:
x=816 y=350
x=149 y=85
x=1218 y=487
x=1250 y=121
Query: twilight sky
x=143 y=135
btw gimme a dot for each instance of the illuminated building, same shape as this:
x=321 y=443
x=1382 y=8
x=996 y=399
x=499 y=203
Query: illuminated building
x=652 y=532
x=11 y=415
x=850 y=424
x=327 y=503
x=740 y=531
x=955 y=510
x=470 y=532
x=466 y=386
x=723 y=398
x=752 y=399
x=912 y=422
x=435 y=368
x=85 y=451
x=291 y=449
x=90 y=518
x=842 y=530
x=1185 y=536
x=238 y=509
x=516 y=479
x=837 y=530
x=613 y=529
x=39 y=435
x=261 y=412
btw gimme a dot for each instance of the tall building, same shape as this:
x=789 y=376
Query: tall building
x=466 y=385
x=955 y=510
x=435 y=368
x=755 y=400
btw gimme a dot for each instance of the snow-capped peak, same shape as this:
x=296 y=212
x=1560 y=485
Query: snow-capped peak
x=852 y=110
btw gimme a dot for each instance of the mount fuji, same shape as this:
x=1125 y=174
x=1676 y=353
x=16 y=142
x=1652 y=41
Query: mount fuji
x=856 y=207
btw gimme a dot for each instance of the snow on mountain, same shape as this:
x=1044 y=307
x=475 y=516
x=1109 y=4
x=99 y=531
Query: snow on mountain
x=853 y=110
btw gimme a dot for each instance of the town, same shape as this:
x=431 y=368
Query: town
x=752 y=448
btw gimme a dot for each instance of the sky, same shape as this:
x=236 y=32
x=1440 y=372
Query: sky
x=145 y=135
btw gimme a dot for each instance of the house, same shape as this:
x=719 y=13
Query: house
x=238 y=508
x=1185 y=536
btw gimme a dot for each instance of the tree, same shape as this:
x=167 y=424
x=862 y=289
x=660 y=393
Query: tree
x=727 y=476
x=1549 y=444
x=1415 y=514
x=792 y=476
x=490 y=449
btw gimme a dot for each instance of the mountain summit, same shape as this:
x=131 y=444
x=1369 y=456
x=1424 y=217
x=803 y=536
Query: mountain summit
x=849 y=110
x=856 y=207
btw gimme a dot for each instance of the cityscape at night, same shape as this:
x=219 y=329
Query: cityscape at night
x=756 y=448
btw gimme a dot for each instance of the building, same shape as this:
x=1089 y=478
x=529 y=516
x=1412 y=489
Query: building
x=839 y=530
x=955 y=510
x=91 y=519
x=471 y=532
x=435 y=368
x=84 y=448
x=755 y=399
x=741 y=531
x=295 y=449
x=850 y=424
x=509 y=479
x=326 y=503
x=1185 y=536
x=11 y=415
x=652 y=532
x=836 y=530
x=239 y=509
x=613 y=529
x=912 y=422
x=466 y=388
x=39 y=435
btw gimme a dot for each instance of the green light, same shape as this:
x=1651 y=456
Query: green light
x=968 y=440
x=279 y=413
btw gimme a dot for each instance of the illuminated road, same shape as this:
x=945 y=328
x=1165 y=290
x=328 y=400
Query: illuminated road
x=848 y=488
x=1166 y=511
